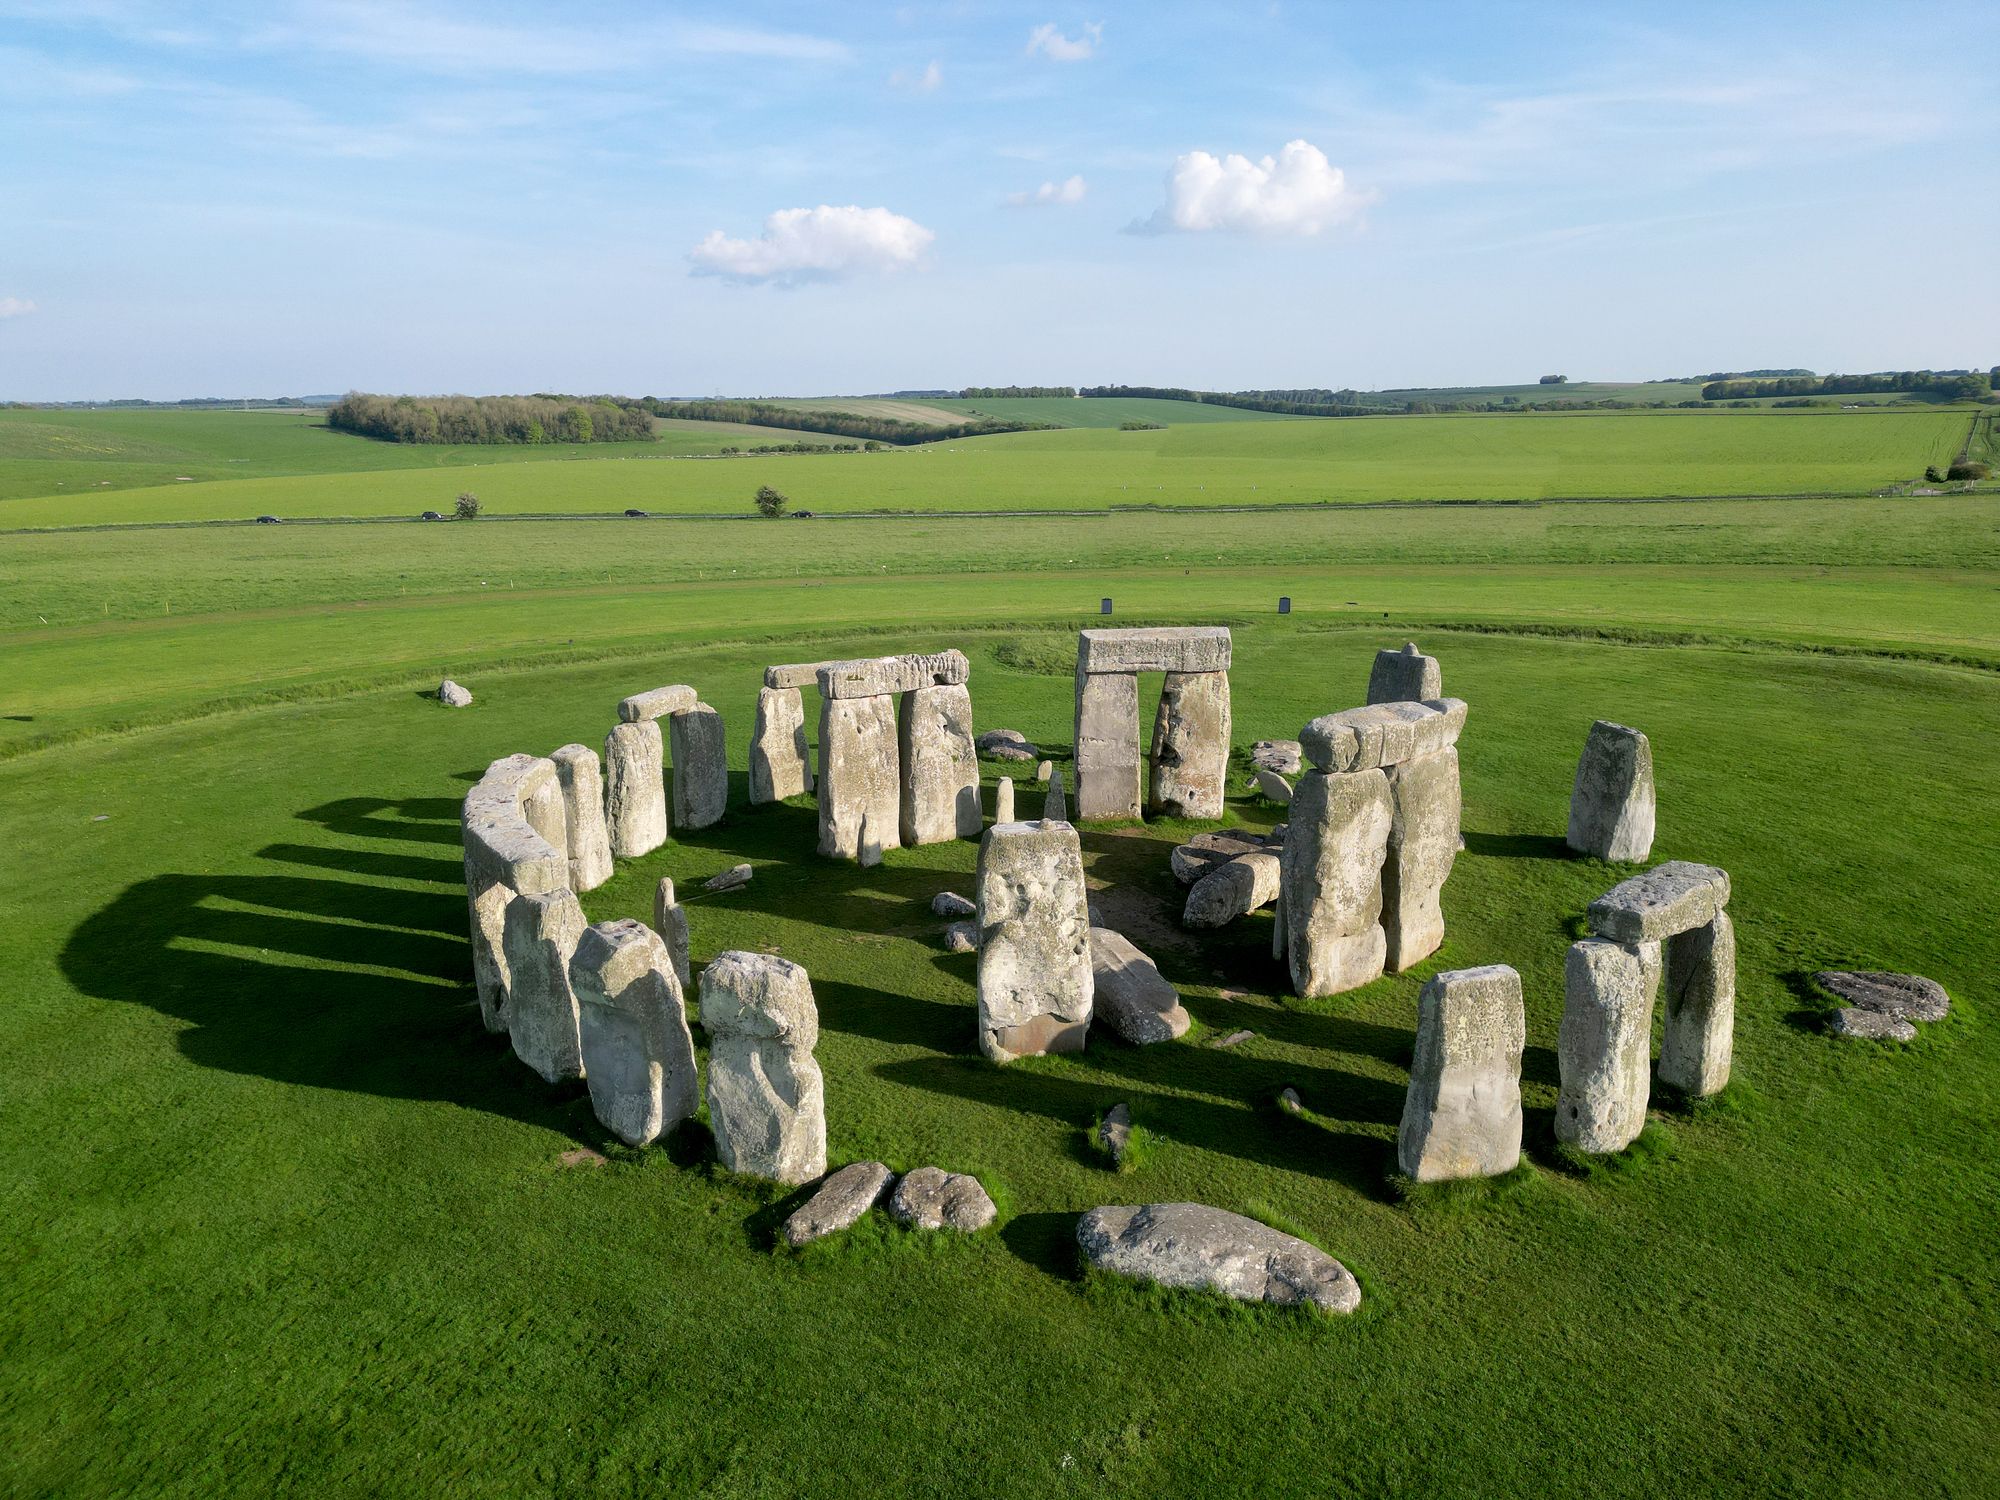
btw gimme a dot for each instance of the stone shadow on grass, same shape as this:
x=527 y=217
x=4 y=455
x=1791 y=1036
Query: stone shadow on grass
x=1518 y=846
x=1046 y=1241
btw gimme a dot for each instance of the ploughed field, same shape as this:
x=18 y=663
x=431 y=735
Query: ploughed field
x=68 y=469
x=282 y=1213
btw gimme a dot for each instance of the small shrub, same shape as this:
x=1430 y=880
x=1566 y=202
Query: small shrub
x=1932 y=476
x=467 y=507
x=770 y=502
x=1969 y=468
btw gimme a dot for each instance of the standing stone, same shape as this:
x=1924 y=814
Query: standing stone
x=1604 y=1048
x=858 y=777
x=1003 y=800
x=670 y=921
x=489 y=954
x=1335 y=844
x=1611 y=804
x=1462 y=1114
x=541 y=936
x=1107 y=745
x=1035 y=983
x=638 y=1054
x=701 y=767
x=1055 y=806
x=1129 y=993
x=582 y=778
x=511 y=826
x=635 y=788
x=1701 y=1008
x=543 y=809
x=1191 y=745
x=1405 y=676
x=780 y=764
x=1273 y=787
x=940 y=793
x=1423 y=843
x=766 y=1100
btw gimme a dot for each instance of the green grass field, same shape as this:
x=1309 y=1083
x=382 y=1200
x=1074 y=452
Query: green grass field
x=282 y=1216
x=1103 y=411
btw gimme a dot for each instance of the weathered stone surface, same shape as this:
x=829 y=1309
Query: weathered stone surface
x=1114 y=1133
x=1273 y=787
x=1337 y=840
x=1381 y=734
x=802 y=674
x=962 y=937
x=1130 y=996
x=1908 y=997
x=840 y=1202
x=1044 y=770
x=1035 y=983
x=1231 y=890
x=1282 y=756
x=1853 y=1022
x=541 y=934
x=859 y=779
x=1055 y=806
x=1611 y=803
x=701 y=766
x=1405 y=676
x=1604 y=1048
x=1462 y=1114
x=1208 y=851
x=873 y=676
x=670 y=921
x=1166 y=648
x=940 y=767
x=733 y=878
x=780 y=758
x=638 y=1053
x=1289 y=1101
x=1673 y=897
x=656 y=703
x=1190 y=757
x=544 y=812
x=766 y=1099
x=1006 y=744
x=582 y=777
x=488 y=912
x=1107 y=757
x=635 y=788
x=1701 y=1008
x=1192 y=1245
x=951 y=904
x=451 y=695
x=505 y=855
x=1423 y=843
x=1234 y=1039
x=1003 y=800
x=931 y=1198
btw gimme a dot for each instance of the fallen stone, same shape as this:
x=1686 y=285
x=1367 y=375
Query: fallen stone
x=875 y=676
x=1234 y=1038
x=1273 y=787
x=1282 y=756
x=1114 y=1133
x=962 y=937
x=1190 y=758
x=1006 y=744
x=840 y=1202
x=670 y=921
x=766 y=1098
x=656 y=703
x=780 y=759
x=451 y=695
x=1360 y=739
x=1670 y=898
x=1003 y=800
x=581 y=775
x=540 y=937
x=1131 y=996
x=1405 y=676
x=1870 y=1025
x=1604 y=1047
x=1192 y=1245
x=1462 y=1112
x=730 y=879
x=1611 y=803
x=638 y=1054
x=1208 y=851
x=951 y=904
x=795 y=675
x=860 y=781
x=1332 y=884
x=635 y=788
x=931 y=1198
x=1168 y=648
x=1232 y=890
x=1035 y=980
x=1907 y=997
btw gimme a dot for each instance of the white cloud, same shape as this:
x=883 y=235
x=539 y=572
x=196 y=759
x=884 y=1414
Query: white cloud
x=1069 y=190
x=924 y=82
x=1056 y=47
x=816 y=244
x=1297 y=192
x=15 y=307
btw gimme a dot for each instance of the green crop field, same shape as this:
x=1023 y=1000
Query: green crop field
x=1306 y=461
x=1103 y=411
x=281 y=1215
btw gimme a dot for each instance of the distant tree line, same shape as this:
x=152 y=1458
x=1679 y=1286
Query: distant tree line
x=1951 y=385
x=841 y=423
x=1004 y=392
x=490 y=419
x=1733 y=375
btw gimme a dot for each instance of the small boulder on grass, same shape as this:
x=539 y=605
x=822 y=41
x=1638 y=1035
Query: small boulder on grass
x=451 y=695
x=1114 y=1133
x=932 y=1198
x=842 y=1199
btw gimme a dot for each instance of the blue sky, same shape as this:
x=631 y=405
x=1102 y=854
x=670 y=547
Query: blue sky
x=795 y=199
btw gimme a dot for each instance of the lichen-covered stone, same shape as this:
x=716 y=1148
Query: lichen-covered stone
x=792 y=675
x=1701 y=1008
x=1006 y=744
x=1107 y=760
x=1233 y=889
x=1853 y=1022
x=638 y=1053
x=1206 y=852
x=940 y=767
x=657 y=703
x=1462 y=1114
x=1285 y=757
x=780 y=759
x=582 y=777
x=766 y=1099
x=1611 y=808
x=1405 y=676
x=1190 y=757
x=1337 y=839
x=670 y=921
x=507 y=854
x=931 y=1198
x=1035 y=983
x=1165 y=648
x=874 y=676
x=635 y=788
x=1003 y=800
x=1423 y=843
x=701 y=767
x=1674 y=897
x=1130 y=994
x=840 y=1202
x=1273 y=788
x=1382 y=734
x=1192 y=1245
x=860 y=789
x=1604 y=1048
x=1908 y=997
x=951 y=904
x=540 y=937
x=1055 y=805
